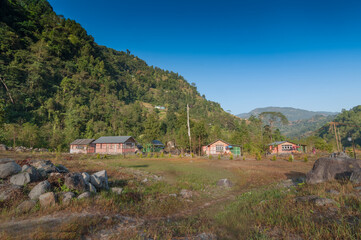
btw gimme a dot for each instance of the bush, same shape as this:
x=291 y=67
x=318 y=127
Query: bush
x=170 y=155
x=305 y=159
x=258 y=157
x=141 y=155
x=274 y=158
x=219 y=156
x=290 y=158
x=231 y=157
x=244 y=158
x=192 y=154
x=98 y=156
x=148 y=155
x=210 y=156
x=162 y=154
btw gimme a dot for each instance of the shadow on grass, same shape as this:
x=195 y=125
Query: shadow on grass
x=119 y=183
x=139 y=166
x=294 y=174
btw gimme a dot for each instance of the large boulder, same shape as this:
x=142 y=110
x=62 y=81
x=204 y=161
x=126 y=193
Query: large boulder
x=75 y=181
x=47 y=199
x=62 y=168
x=9 y=169
x=68 y=196
x=356 y=177
x=6 y=160
x=100 y=180
x=45 y=165
x=20 y=179
x=85 y=195
x=3 y=147
x=39 y=189
x=337 y=166
x=86 y=177
x=34 y=173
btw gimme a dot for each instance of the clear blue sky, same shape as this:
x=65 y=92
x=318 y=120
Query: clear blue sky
x=243 y=54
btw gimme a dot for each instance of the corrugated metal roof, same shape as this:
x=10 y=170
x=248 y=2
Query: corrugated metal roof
x=113 y=139
x=82 y=142
x=280 y=142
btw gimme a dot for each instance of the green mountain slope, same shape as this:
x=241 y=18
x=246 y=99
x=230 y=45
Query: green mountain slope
x=58 y=83
x=292 y=114
x=350 y=126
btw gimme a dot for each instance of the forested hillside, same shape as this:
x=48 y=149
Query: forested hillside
x=349 y=126
x=57 y=85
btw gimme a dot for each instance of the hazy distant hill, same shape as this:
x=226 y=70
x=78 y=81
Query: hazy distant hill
x=292 y=114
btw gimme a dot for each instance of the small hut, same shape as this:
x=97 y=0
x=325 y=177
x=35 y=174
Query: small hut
x=82 y=146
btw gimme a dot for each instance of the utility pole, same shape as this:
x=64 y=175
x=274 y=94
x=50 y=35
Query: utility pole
x=189 y=128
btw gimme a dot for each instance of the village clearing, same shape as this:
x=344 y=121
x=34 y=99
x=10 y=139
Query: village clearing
x=178 y=198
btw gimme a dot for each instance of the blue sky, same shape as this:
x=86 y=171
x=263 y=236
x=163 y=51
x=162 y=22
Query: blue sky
x=243 y=54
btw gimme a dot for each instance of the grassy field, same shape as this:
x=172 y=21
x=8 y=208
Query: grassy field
x=254 y=208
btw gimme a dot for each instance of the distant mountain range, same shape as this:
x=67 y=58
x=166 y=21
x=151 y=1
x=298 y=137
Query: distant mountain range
x=302 y=122
x=292 y=114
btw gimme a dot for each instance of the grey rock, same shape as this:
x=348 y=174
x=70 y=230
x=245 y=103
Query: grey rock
x=97 y=182
x=75 y=181
x=86 y=177
x=47 y=199
x=7 y=191
x=172 y=195
x=68 y=196
x=6 y=160
x=324 y=201
x=8 y=169
x=62 y=169
x=186 y=193
x=84 y=195
x=224 y=183
x=3 y=147
x=336 y=167
x=358 y=188
x=102 y=175
x=24 y=168
x=34 y=173
x=145 y=180
x=205 y=236
x=39 y=189
x=117 y=190
x=26 y=206
x=356 y=177
x=42 y=173
x=91 y=188
x=20 y=179
x=46 y=165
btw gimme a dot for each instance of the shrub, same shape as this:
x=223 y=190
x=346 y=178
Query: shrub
x=170 y=155
x=219 y=156
x=231 y=157
x=258 y=157
x=244 y=158
x=274 y=158
x=161 y=154
x=290 y=158
x=156 y=155
x=98 y=156
x=305 y=159
x=210 y=156
x=192 y=154
x=141 y=155
x=148 y=155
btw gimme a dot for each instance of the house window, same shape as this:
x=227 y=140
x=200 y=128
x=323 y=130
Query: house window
x=219 y=148
x=129 y=145
x=111 y=146
x=286 y=147
x=79 y=147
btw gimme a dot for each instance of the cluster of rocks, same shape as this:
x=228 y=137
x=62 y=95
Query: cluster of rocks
x=51 y=183
x=3 y=147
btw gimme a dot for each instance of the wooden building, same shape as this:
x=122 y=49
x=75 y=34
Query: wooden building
x=82 y=146
x=285 y=147
x=115 y=145
x=220 y=147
